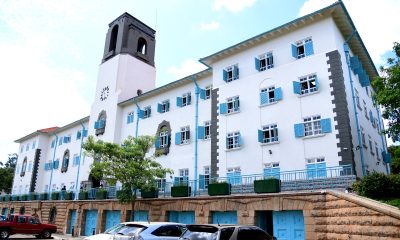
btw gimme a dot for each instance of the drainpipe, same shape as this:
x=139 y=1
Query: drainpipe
x=196 y=119
x=382 y=139
x=347 y=55
x=52 y=163
x=137 y=119
x=80 y=159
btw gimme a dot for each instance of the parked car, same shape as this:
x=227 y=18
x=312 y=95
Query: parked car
x=2 y=218
x=224 y=232
x=141 y=231
x=25 y=224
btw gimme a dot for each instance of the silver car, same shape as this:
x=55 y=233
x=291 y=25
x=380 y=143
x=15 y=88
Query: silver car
x=142 y=231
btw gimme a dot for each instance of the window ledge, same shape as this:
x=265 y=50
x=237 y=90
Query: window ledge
x=206 y=139
x=270 y=143
x=308 y=94
x=268 y=104
x=233 y=149
x=185 y=143
x=231 y=113
x=314 y=136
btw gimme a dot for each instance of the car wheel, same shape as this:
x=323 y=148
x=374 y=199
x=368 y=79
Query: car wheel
x=46 y=234
x=4 y=234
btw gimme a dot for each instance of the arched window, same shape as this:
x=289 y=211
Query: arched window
x=102 y=120
x=65 y=161
x=141 y=47
x=53 y=215
x=113 y=40
x=23 y=170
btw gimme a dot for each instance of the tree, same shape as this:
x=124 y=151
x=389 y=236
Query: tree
x=7 y=173
x=395 y=164
x=387 y=88
x=129 y=163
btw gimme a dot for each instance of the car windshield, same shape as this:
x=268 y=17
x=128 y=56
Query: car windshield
x=114 y=229
x=129 y=230
x=188 y=235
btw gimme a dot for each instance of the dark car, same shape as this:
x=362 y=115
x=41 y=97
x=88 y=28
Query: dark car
x=2 y=218
x=224 y=232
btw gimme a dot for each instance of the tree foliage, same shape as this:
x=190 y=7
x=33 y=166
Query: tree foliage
x=129 y=163
x=7 y=173
x=387 y=88
x=395 y=164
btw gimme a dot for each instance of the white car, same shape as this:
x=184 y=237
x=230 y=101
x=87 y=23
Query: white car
x=142 y=231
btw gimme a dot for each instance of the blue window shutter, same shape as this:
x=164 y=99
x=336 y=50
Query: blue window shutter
x=140 y=114
x=308 y=47
x=276 y=134
x=240 y=140
x=320 y=170
x=176 y=181
x=260 y=136
x=316 y=83
x=278 y=94
x=276 y=172
x=149 y=112
x=294 y=51
x=311 y=171
x=200 y=132
x=189 y=99
x=387 y=157
x=78 y=135
x=263 y=98
x=178 y=138
x=157 y=143
x=296 y=87
x=270 y=58
x=235 y=72
x=257 y=63
x=371 y=117
x=159 y=107
x=96 y=125
x=224 y=75
x=202 y=93
x=179 y=101
x=223 y=108
x=299 y=130
x=167 y=139
x=65 y=139
x=202 y=181
x=326 y=125
x=52 y=144
x=84 y=133
x=186 y=179
x=236 y=105
x=167 y=106
x=29 y=167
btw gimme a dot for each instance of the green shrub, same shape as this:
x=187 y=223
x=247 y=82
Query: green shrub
x=394 y=180
x=374 y=185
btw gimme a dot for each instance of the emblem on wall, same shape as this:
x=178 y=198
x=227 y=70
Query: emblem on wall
x=104 y=93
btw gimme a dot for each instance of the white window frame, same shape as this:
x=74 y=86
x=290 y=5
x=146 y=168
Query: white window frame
x=184 y=172
x=264 y=61
x=231 y=104
x=270 y=130
x=207 y=176
x=272 y=165
x=163 y=139
x=365 y=110
x=208 y=90
x=301 y=45
x=312 y=125
x=147 y=112
x=363 y=137
x=357 y=99
x=185 y=99
x=315 y=160
x=207 y=129
x=185 y=135
x=130 y=117
x=164 y=106
x=233 y=140
x=308 y=84
x=271 y=93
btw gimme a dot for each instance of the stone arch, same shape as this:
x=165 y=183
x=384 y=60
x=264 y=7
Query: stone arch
x=165 y=127
x=23 y=169
x=113 y=39
x=142 y=46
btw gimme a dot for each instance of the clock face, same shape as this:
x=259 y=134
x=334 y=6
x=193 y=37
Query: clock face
x=104 y=93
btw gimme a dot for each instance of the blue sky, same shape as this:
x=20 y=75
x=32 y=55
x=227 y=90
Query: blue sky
x=51 y=49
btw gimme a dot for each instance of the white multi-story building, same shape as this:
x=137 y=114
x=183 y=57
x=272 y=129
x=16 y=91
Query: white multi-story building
x=295 y=98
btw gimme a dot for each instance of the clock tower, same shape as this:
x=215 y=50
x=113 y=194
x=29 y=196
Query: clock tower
x=127 y=68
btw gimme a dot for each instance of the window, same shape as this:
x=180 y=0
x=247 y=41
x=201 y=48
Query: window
x=366 y=90
x=207 y=129
x=56 y=164
x=302 y=48
x=252 y=233
x=78 y=135
x=163 y=106
x=233 y=104
x=67 y=138
x=233 y=140
x=23 y=169
x=377 y=152
x=163 y=139
x=316 y=167
x=183 y=136
x=161 y=184
x=185 y=100
x=60 y=141
x=264 y=61
x=129 y=118
x=363 y=137
x=357 y=99
x=147 y=112
x=34 y=145
x=272 y=170
x=308 y=84
x=27 y=147
x=370 y=145
x=312 y=126
x=183 y=178
x=234 y=175
x=208 y=90
x=65 y=162
x=231 y=73
x=30 y=166
x=365 y=110
x=268 y=134
x=184 y=172
x=76 y=160
x=204 y=180
x=22 y=149
x=270 y=95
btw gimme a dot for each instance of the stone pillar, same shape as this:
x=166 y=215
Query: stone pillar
x=101 y=219
x=80 y=221
x=246 y=217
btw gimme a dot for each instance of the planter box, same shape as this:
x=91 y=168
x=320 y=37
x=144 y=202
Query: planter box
x=151 y=193
x=32 y=196
x=55 y=195
x=44 y=196
x=215 y=189
x=14 y=198
x=101 y=195
x=271 y=185
x=83 y=195
x=23 y=197
x=6 y=198
x=181 y=191
x=68 y=195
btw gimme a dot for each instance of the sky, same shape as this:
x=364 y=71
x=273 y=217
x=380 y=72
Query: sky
x=51 y=49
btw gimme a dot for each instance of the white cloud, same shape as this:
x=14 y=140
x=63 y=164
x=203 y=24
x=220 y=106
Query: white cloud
x=232 y=5
x=188 y=67
x=376 y=22
x=214 y=25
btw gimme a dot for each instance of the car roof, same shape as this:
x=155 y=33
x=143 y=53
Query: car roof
x=147 y=224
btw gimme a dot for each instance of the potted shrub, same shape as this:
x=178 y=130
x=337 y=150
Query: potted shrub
x=101 y=193
x=23 y=197
x=83 y=195
x=44 y=196
x=219 y=188
x=149 y=193
x=14 y=198
x=269 y=185
x=32 y=196
x=6 y=198
x=55 y=195
x=68 y=195
x=182 y=190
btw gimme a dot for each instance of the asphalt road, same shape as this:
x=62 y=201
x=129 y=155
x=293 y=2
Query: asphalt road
x=54 y=236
